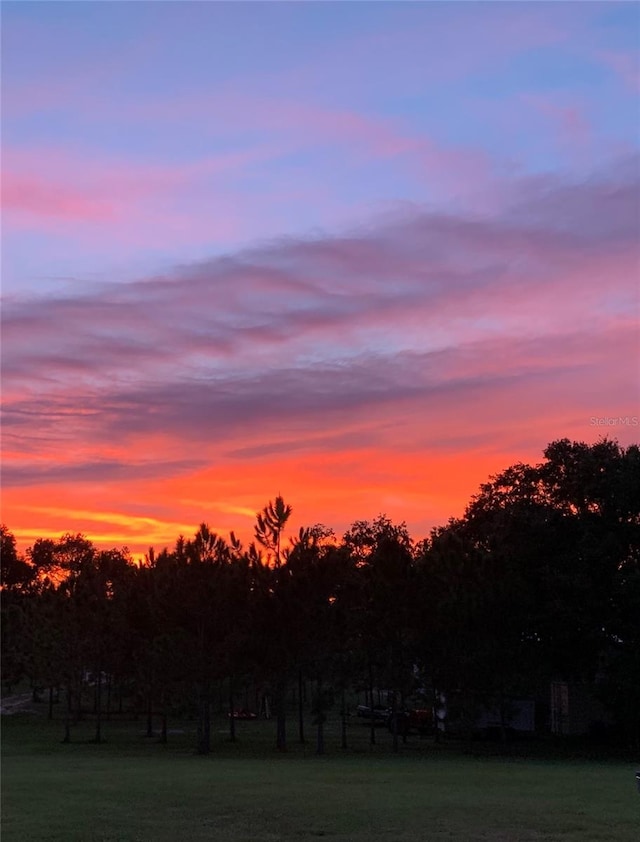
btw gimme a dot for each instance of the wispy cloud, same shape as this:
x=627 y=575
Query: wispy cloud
x=365 y=260
x=259 y=352
x=625 y=65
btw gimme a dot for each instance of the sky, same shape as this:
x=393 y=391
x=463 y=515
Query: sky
x=363 y=255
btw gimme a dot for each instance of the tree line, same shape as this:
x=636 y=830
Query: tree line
x=538 y=581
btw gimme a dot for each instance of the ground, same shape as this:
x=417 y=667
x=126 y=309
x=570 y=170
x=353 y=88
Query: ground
x=132 y=789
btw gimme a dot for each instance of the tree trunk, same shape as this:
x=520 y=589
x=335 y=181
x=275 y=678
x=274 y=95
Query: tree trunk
x=67 y=719
x=163 y=727
x=320 y=720
x=204 y=719
x=372 y=728
x=405 y=724
x=109 y=682
x=468 y=709
x=503 y=720
x=437 y=707
x=394 y=722
x=98 y=734
x=149 y=711
x=281 y=721
x=300 y=708
x=343 y=721
x=77 y=716
x=232 y=721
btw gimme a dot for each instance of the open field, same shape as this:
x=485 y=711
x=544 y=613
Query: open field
x=131 y=788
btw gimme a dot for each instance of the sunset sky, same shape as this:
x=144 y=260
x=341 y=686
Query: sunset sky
x=360 y=254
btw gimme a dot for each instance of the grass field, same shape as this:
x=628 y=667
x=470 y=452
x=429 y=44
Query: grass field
x=131 y=788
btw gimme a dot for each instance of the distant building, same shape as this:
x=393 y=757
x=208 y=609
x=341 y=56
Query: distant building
x=575 y=711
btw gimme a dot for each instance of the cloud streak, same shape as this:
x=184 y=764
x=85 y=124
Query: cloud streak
x=418 y=335
x=362 y=260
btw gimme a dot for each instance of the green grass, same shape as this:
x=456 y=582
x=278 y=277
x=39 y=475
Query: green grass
x=131 y=788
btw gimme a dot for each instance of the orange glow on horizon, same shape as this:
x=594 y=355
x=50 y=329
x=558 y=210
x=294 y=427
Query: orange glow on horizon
x=333 y=489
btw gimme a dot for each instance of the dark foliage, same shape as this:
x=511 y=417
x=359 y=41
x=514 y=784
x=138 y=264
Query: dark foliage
x=539 y=581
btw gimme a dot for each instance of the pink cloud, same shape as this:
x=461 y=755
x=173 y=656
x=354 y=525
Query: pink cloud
x=120 y=179
x=415 y=273
x=625 y=66
x=291 y=125
x=30 y=197
x=94 y=199
x=428 y=317
x=571 y=125
x=413 y=439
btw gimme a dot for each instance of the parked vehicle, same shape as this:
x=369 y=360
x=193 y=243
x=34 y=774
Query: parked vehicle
x=415 y=720
x=243 y=713
x=380 y=714
x=420 y=720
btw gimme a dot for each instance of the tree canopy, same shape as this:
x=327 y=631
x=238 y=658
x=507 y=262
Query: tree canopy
x=538 y=581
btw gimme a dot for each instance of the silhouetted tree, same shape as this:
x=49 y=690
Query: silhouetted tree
x=270 y=523
x=15 y=572
x=383 y=555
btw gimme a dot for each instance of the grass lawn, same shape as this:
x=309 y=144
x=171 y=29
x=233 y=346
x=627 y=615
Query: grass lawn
x=132 y=788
